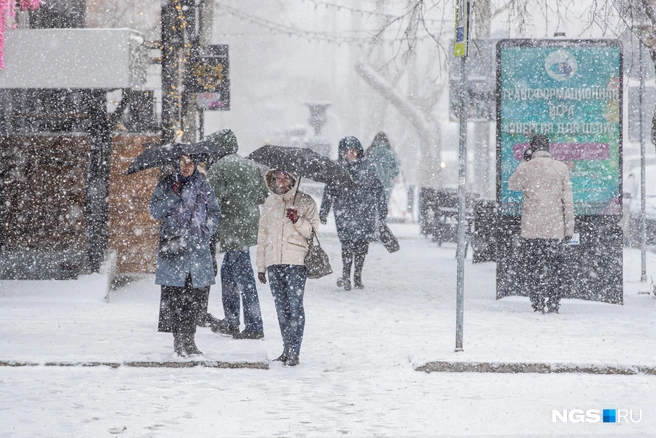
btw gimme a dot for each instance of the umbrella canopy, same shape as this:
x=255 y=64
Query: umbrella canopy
x=167 y=154
x=302 y=162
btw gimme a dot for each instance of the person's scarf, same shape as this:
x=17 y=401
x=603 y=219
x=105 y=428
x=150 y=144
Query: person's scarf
x=191 y=214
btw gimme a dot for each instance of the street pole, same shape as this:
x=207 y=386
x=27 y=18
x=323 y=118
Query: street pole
x=191 y=46
x=462 y=179
x=643 y=201
x=481 y=141
x=460 y=50
x=172 y=43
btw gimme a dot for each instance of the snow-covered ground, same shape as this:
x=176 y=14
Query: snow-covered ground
x=357 y=374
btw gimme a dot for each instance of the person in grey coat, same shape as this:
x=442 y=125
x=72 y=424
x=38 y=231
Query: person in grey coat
x=355 y=209
x=187 y=207
x=547 y=221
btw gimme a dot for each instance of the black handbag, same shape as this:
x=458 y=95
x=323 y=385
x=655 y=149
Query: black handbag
x=173 y=245
x=317 y=263
x=388 y=239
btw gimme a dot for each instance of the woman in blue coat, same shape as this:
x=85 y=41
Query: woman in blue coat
x=187 y=207
x=355 y=209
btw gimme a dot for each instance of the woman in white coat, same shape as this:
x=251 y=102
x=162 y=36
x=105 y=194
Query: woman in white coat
x=288 y=217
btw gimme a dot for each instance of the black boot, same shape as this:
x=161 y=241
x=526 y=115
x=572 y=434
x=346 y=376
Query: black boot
x=283 y=356
x=344 y=282
x=179 y=344
x=292 y=361
x=357 y=274
x=190 y=344
x=347 y=261
x=221 y=326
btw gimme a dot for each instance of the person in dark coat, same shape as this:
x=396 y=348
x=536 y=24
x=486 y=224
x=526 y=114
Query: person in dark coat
x=239 y=189
x=355 y=209
x=186 y=205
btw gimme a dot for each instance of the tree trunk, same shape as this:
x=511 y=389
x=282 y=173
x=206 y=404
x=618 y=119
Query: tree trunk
x=427 y=127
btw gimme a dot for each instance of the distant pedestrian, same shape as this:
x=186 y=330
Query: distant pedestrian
x=288 y=218
x=239 y=189
x=186 y=205
x=547 y=221
x=385 y=161
x=355 y=209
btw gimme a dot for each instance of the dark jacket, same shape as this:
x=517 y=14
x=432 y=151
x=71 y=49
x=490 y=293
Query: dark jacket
x=197 y=261
x=239 y=190
x=355 y=208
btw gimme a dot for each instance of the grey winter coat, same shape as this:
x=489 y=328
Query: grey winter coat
x=355 y=208
x=197 y=261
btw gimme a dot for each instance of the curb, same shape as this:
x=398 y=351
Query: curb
x=144 y=364
x=540 y=368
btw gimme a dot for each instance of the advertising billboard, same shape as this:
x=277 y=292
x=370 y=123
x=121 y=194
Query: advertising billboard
x=208 y=75
x=571 y=91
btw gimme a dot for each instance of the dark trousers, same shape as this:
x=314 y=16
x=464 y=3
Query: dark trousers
x=288 y=287
x=353 y=253
x=543 y=263
x=179 y=307
x=237 y=279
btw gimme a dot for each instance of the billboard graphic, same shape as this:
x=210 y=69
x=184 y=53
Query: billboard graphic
x=571 y=91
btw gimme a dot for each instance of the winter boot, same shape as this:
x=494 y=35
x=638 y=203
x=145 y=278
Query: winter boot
x=344 y=282
x=179 y=344
x=282 y=357
x=190 y=344
x=292 y=360
x=221 y=326
x=357 y=273
x=347 y=260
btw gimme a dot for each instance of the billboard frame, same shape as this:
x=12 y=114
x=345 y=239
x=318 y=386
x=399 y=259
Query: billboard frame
x=592 y=269
x=559 y=43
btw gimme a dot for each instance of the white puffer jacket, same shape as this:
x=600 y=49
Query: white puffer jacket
x=279 y=240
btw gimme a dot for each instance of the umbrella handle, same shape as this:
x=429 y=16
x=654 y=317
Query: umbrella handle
x=298 y=185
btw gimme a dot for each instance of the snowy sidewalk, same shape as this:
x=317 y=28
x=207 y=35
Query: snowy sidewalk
x=407 y=310
x=360 y=353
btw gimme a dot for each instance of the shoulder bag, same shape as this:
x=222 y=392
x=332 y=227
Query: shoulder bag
x=317 y=263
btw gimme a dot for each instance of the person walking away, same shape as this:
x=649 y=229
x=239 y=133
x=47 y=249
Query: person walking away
x=239 y=189
x=288 y=218
x=186 y=205
x=547 y=221
x=355 y=209
x=385 y=161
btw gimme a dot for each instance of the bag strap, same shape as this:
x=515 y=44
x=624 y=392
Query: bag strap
x=314 y=236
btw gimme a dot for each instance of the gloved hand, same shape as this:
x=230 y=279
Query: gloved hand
x=323 y=220
x=262 y=277
x=292 y=214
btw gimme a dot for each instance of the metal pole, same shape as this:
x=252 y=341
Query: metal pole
x=172 y=41
x=643 y=224
x=462 y=175
x=201 y=125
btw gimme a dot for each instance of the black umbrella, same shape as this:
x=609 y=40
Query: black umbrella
x=302 y=162
x=167 y=154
